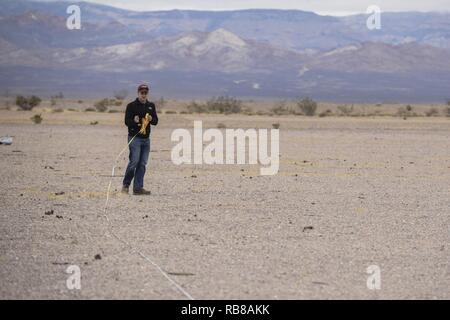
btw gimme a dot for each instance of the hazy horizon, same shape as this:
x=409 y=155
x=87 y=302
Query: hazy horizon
x=321 y=7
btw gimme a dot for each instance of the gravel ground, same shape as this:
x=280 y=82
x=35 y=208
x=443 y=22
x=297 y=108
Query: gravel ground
x=350 y=193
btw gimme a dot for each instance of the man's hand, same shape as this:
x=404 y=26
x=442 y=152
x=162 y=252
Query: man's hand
x=136 y=119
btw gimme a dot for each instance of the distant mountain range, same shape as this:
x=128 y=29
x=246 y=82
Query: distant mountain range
x=247 y=53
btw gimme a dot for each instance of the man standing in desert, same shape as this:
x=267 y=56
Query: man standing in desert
x=139 y=115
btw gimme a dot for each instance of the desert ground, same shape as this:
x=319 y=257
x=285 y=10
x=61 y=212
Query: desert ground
x=351 y=192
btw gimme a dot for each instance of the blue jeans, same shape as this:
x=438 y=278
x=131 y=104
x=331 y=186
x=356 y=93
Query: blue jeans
x=139 y=152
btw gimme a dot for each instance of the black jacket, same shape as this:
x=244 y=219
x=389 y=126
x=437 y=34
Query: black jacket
x=136 y=108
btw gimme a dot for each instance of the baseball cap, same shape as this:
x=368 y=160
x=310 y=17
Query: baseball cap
x=143 y=87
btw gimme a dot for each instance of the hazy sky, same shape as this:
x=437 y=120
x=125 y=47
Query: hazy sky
x=333 y=7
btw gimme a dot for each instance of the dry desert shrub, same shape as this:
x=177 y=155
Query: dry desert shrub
x=247 y=111
x=280 y=108
x=307 y=106
x=37 y=119
x=432 y=112
x=54 y=99
x=406 y=112
x=403 y=112
x=222 y=104
x=27 y=103
x=160 y=103
x=102 y=105
x=326 y=113
x=447 y=112
x=196 y=107
x=345 y=110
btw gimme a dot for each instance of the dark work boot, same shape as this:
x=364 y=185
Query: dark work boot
x=141 y=192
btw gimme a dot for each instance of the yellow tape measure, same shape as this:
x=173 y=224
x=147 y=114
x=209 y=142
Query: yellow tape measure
x=144 y=124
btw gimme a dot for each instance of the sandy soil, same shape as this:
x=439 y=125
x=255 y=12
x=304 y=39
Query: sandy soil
x=350 y=193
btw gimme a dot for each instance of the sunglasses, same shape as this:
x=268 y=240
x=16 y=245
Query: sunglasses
x=143 y=92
